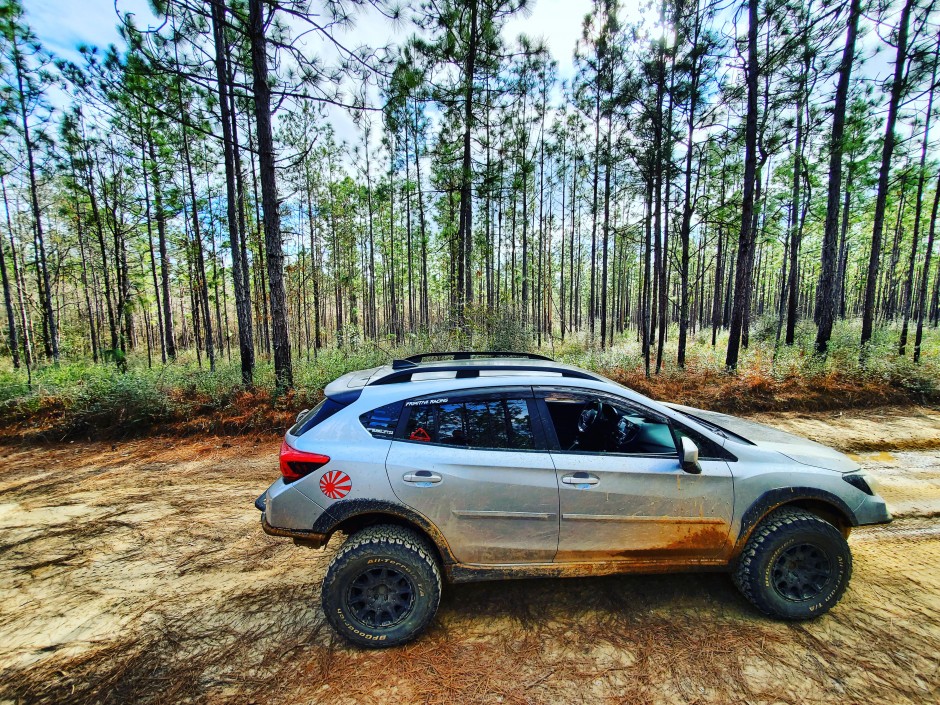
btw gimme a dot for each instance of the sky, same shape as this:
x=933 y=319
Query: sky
x=64 y=25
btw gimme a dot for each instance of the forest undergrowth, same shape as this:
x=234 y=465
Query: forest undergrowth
x=81 y=400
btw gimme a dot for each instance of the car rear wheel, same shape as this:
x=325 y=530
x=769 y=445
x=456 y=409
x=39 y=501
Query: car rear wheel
x=383 y=587
x=794 y=565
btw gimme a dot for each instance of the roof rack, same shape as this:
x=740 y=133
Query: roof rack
x=414 y=360
x=470 y=371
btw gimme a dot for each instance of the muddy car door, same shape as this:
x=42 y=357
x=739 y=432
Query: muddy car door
x=476 y=465
x=623 y=492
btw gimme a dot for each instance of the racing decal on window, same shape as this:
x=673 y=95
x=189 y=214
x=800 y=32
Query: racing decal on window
x=425 y=402
x=419 y=434
x=335 y=484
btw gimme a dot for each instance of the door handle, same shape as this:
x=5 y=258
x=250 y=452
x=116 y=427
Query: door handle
x=580 y=478
x=423 y=478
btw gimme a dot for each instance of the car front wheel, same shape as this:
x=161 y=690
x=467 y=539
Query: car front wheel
x=383 y=587
x=794 y=565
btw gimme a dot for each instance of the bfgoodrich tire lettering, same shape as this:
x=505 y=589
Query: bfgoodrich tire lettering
x=384 y=564
x=794 y=566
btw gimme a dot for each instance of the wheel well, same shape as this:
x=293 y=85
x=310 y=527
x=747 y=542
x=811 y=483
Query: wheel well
x=358 y=522
x=825 y=511
x=829 y=511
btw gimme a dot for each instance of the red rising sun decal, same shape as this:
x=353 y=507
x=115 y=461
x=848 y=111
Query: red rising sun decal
x=335 y=484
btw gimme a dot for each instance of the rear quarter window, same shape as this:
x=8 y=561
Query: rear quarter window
x=320 y=413
x=382 y=422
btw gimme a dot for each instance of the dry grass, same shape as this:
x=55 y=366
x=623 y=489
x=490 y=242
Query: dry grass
x=756 y=391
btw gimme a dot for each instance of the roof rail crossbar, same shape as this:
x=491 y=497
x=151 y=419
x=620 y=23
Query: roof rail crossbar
x=465 y=371
x=464 y=355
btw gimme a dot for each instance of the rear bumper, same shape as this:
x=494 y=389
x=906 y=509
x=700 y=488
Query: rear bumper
x=310 y=539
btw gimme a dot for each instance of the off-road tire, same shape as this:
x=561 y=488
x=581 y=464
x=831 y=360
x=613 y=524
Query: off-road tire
x=761 y=569
x=364 y=556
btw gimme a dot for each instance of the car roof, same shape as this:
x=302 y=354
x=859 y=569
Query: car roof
x=399 y=377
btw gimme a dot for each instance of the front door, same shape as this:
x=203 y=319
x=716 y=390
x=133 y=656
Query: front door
x=475 y=465
x=623 y=493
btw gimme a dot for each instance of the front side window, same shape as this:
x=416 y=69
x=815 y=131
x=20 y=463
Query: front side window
x=598 y=424
x=471 y=422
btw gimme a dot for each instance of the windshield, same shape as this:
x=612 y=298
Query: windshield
x=715 y=428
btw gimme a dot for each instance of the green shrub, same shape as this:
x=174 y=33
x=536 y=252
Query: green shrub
x=117 y=401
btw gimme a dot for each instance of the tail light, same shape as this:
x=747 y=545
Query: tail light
x=295 y=464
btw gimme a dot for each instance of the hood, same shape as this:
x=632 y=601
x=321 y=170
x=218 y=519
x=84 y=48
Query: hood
x=800 y=450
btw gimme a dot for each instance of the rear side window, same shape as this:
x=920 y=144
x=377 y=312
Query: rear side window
x=487 y=423
x=382 y=422
x=320 y=413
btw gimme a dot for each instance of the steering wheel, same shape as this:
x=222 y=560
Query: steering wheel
x=627 y=432
x=589 y=417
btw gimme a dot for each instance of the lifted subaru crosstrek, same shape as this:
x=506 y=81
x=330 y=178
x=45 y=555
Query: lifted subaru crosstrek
x=453 y=466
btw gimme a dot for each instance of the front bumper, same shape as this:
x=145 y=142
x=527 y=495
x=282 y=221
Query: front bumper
x=873 y=510
x=310 y=539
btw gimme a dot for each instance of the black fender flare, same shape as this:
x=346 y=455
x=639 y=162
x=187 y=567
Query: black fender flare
x=344 y=510
x=781 y=496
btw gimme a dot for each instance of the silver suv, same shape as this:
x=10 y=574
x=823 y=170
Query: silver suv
x=516 y=466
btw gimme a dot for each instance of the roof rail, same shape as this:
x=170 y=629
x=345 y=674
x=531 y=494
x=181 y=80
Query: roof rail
x=464 y=355
x=470 y=371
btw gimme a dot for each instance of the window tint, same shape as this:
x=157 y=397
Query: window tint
x=597 y=424
x=520 y=426
x=473 y=422
x=381 y=422
x=486 y=424
x=450 y=426
x=320 y=413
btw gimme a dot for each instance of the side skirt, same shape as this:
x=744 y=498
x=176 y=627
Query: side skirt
x=467 y=573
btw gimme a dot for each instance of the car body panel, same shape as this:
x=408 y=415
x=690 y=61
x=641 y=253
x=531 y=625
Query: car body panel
x=642 y=508
x=493 y=506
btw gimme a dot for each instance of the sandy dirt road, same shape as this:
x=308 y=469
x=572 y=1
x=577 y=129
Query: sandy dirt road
x=138 y=573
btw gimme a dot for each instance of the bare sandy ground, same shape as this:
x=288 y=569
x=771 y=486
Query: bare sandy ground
x=138 y=573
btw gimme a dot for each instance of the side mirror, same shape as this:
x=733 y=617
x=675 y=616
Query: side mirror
x=690 y=456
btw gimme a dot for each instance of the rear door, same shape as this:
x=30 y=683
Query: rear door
x=475 y=463
x=623 y=493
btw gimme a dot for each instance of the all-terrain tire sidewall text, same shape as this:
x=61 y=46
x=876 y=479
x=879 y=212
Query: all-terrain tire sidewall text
x=384 y=546
x=779 y=532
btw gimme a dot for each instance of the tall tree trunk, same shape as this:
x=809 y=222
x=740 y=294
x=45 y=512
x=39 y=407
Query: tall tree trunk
x=686 y=226
x=272 y=221
x=7 y=295
x=607 y=165
x=425 y=295
x=200 y=261
x=465 y=223
x=595 y=207
x=246 y=347
x=874 y=261
x=918 y=208
x=829 y=281
x=793 y=282
x=153 y=259
x=925 y=275
x=160 y=216
x=18 y=278
x=48 y=313
x=746 y=239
